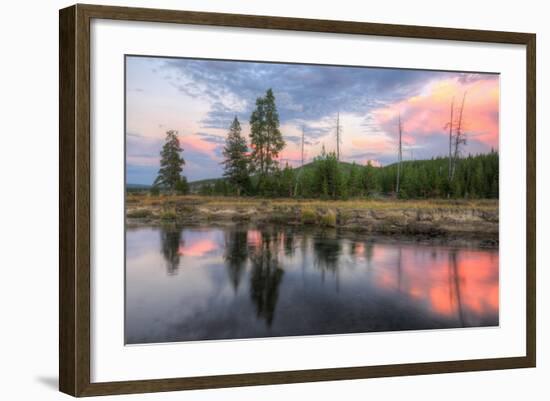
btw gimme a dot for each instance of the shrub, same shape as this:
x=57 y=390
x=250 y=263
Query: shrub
x=308 y=216
x=155 y=191
x=182 y=187
x=138 y=213
x=329 y=219
x=168 y=215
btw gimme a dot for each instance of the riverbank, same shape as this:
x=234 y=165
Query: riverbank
x=437 y=218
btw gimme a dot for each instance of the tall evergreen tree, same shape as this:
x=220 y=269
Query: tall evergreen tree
x=265 y=137
x=328 y=179
x=354 y=185
x=171 y=163
x=236 y=158
x=369 y=179
x=287 y=181
x=257 y=136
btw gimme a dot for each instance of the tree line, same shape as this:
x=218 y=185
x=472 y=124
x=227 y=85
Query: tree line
x=254 y=169
x=476 y=177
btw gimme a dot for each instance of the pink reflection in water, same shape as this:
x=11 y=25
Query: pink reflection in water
x=449 y=282
x=254 y=238
x=197 y=247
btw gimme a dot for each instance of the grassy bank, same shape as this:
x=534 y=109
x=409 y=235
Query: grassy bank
x=429 y=217
x=146 y=200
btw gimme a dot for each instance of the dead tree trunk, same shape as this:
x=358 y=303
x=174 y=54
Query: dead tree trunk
x=399 y=155
x=451 y=139
x=338 y=133
x=459 y=137
x=302 y=146
x=302 y=165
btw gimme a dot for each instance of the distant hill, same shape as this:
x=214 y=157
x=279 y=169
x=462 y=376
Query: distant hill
x=137 y=187
x=194 y=186
x=346 y=166
x=476 y=176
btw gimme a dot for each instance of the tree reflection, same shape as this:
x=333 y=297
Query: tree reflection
x=236 y=254
x=369 y=251
x=327 y=248
x=266 y=276
x=289 y=242
x=454 y=284
x=399 y=265
x=170 y=238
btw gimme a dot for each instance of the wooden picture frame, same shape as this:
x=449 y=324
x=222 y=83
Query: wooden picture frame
x=74 y=199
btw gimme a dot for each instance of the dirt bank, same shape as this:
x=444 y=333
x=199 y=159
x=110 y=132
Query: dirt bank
x=427 y=218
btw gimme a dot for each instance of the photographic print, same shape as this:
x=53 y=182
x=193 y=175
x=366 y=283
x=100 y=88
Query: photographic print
x=281 y=199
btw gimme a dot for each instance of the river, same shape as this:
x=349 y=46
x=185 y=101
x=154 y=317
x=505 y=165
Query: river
x=205 y=283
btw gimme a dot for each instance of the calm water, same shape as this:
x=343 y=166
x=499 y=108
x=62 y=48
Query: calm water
x=238 y=282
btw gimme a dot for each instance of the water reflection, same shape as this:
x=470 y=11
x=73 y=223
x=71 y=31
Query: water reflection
x=327 y=248
x=266 y=275
x=170 y=238
x=289 y=242
x=236 y=254
x=240 y=282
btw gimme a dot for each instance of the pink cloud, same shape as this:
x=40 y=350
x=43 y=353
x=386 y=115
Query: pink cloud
x=143 y=160
x=376 y=144
x=197 y=144
x=429 y=112
x=292 y=156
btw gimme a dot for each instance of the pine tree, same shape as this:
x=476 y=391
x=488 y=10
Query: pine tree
x=305 y=183
x=171 y=163
x=182 y=186
x=354 y=187
x=236 y=159
x=368 y=179
x=328 y=179
x=257 y=136
x=265 y=137
x=288 y=178
x=220 y=188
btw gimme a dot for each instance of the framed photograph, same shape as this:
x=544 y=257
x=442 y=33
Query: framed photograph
x=250 y=200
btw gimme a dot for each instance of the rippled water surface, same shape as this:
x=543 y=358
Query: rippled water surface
x=239 y=282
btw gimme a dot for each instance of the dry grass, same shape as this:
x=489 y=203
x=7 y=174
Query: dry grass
x=376 y=204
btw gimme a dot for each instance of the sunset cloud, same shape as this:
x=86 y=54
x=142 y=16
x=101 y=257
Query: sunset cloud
x=200 y=98
x=428 y=112
x=196 y=143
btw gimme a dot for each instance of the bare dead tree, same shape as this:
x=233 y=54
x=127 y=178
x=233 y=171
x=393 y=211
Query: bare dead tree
x=302 y=145
x=459 y=137
x=450 y=125
x=302 y=164
x=338 y=136
x=399 y=154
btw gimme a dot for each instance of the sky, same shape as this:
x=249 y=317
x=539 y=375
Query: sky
x=199 y=99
